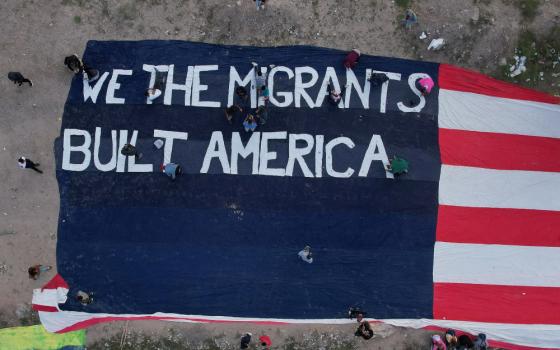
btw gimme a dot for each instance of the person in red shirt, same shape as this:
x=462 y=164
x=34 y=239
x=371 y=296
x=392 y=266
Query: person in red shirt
x=265 y=341
x=352 y=59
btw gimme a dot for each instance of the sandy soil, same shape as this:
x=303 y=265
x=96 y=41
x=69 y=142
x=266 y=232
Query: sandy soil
x=36 y=35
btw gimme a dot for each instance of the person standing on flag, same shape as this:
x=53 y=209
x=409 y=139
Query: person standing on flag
x=306 y=254
x=171 y=169
x=397 y=166
x=425 y=85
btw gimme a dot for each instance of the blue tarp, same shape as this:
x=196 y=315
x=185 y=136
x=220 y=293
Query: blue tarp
x=220 y=244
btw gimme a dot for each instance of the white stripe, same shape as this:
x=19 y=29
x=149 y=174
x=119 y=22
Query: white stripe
x=545 y=336
x=490 y=188
x=497 y=264
x=474 y=112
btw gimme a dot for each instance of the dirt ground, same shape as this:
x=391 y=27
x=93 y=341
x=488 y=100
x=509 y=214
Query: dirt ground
x=36 y=35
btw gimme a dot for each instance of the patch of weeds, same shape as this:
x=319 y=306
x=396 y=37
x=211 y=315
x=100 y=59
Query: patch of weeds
x=403 y=3
x=528 y=8
x=77 y=19
x=414 y=346
x=105 y=8
x=73 y=2
x=26 y=316
x=543 y=56
x=315 y=5
x=316 y=340
x=7 y=232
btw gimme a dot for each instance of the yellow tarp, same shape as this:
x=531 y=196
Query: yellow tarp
x=37 y=338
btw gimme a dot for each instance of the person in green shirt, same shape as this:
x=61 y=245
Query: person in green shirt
x=397 y=166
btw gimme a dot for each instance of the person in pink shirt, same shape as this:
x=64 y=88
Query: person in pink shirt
x=437 y=343
x=426 y=85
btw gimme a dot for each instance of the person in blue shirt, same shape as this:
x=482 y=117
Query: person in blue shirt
x=172 y=170
x=250 y=124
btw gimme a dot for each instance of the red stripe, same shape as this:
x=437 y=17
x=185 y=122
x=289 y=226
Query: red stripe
x=498 y=226
x=44 y=308
x=459 y=79
x=56 y=282
x=499 y=304
x=499 y=151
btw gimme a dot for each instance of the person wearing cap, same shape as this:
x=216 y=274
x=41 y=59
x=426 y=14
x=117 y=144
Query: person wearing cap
x=437 y=343
x=171 y=169
x=306 y=254
x=352 y=59
x=426 y=85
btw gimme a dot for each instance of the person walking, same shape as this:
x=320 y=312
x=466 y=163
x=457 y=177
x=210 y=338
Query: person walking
x=36 y=270
x=25 y=163
x=18 y=78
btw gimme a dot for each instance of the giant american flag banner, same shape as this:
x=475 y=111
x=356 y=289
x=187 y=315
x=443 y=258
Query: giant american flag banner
x=468 y=239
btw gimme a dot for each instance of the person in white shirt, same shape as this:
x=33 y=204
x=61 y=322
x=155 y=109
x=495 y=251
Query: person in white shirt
x=152 y=94
x=306 y=254
x=25 y=163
